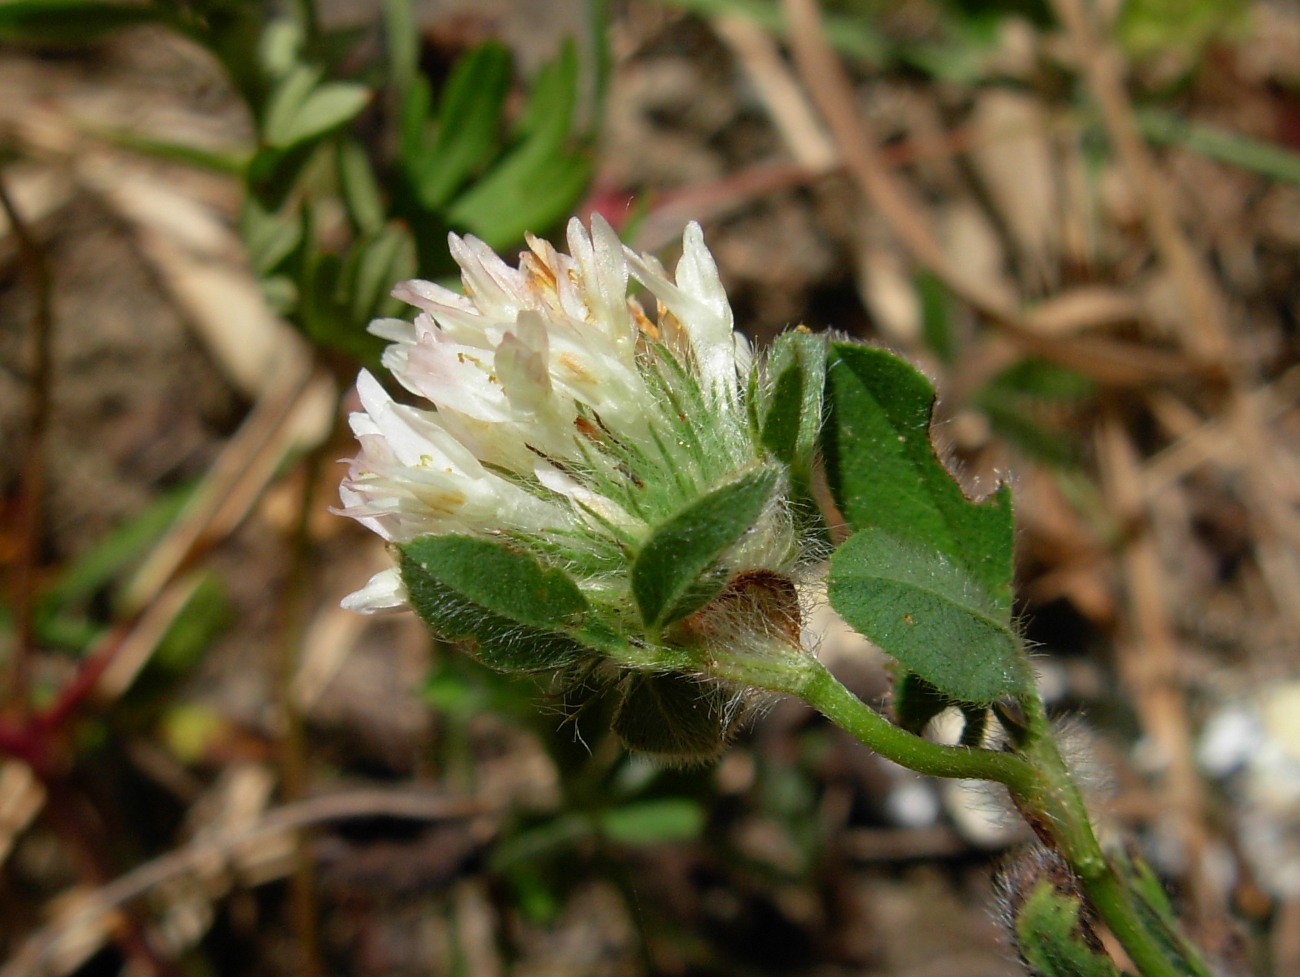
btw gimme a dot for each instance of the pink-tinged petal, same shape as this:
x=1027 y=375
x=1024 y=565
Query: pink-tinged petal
x=409 y=436
x=458 y=378
x=498 y=290
x=353 y=503
x=382 y=592
x=457 y=316
x=521 y=363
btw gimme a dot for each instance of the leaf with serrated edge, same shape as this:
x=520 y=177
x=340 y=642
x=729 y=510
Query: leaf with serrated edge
x=883 y=472
x=929 y=614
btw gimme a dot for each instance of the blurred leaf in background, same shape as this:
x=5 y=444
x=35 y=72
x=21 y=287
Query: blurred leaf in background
x=362 y=167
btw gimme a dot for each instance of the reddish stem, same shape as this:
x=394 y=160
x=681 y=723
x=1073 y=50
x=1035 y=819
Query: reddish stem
x=32 y=485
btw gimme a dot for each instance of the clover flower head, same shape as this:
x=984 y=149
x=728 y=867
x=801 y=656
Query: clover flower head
x=600 y=457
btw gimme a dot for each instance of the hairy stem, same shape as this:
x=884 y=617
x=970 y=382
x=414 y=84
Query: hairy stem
x=1035 y=774
x=809 y=680
x=1055 y=810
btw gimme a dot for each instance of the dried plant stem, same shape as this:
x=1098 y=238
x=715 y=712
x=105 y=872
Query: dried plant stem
x=1151 y=670
x=295 y=605
x=1204 y=332
x=32 y=485
x=894 y=202
x=890 y=196
x=33 y=957
x=67 y=812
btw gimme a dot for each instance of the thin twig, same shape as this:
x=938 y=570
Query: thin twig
x=33 y=959
x=893 y=200
x=32 y=492
x=1204 y=330
x=294 y=603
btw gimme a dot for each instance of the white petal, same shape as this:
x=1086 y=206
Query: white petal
x=455 y=377
x=498 y=290
x=700 y=306
x=521 y=363
x=394 y=330
x=566 y=485
x=422 y=295
x=697 y=276
x=382 y=592
x=744 y=355
x=602 y=268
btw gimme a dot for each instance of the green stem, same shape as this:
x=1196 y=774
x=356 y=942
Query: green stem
x=810 y=681
x=1055 y=809
x=1036 y=775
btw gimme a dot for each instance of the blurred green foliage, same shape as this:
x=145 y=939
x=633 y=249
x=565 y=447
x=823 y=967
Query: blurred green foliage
x=361 y=168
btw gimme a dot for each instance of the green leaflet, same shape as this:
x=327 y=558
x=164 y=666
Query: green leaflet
x=536 y=182
x=522 y=616
x=929 y=614
x=669 y=578
x=1158 y=917
x=466 y=133
x=883 y=471
x=302 y=108
x=1052 y=938
x=71 y=22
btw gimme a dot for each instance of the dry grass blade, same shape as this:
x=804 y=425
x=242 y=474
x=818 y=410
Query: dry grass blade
x=800 y=129
x=1149 y=666
x=34 y=957
x=1205 y=331
x=1107 y=360
x=286 y=419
